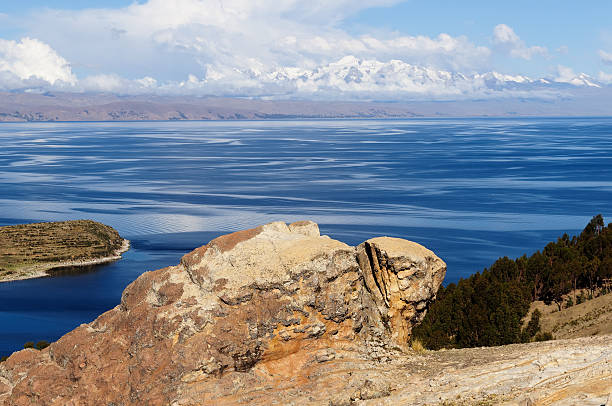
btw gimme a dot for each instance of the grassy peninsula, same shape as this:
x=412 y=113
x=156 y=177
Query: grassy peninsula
x=32 y=250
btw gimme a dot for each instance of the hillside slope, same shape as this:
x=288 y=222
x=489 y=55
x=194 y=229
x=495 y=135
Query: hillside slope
x=19 y=107
x=593 y=317
x=32 y=250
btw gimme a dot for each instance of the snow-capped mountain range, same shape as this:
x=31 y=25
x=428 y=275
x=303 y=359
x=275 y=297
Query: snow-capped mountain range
x=353 y=77
x=349 y=78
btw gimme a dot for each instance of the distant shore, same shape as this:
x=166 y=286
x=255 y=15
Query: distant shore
x=41 y=270
x=87 y=107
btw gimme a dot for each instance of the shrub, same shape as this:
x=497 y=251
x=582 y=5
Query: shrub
x=42 y=344
x=29 y=344
x=532 y=327
x=417 y=346
x=543 y=336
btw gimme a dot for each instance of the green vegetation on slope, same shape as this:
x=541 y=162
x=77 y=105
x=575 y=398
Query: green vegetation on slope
x=487 y=308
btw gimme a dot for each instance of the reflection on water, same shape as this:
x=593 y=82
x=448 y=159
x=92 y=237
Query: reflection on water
x=74 y=270
x=471 y=190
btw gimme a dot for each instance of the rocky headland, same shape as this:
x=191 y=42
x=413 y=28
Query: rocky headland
x=280 y=315
x=35 y=250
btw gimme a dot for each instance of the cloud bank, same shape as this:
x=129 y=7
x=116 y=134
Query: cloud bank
x=505 y=38
x=255 y=48
x=32 y=61
x=606 y=57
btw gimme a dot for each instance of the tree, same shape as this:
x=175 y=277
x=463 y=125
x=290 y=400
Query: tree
x=42 y=344
x=532 y=327
x=487 y=308
x=594 y=227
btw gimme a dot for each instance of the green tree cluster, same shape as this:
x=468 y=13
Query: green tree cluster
x=487 y=308
x=42 y=344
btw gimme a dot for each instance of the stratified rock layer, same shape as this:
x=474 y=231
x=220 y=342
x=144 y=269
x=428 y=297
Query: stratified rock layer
x=403 y=278
x=250 y=315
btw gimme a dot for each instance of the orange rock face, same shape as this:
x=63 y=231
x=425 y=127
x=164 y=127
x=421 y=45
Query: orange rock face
x=274 y=310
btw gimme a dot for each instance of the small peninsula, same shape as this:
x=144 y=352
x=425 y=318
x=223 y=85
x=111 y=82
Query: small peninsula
x=33 y=250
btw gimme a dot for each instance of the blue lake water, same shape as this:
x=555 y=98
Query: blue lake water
x=472 y=190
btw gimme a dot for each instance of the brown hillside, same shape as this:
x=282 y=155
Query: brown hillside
x=593 y=317
x=29 y=250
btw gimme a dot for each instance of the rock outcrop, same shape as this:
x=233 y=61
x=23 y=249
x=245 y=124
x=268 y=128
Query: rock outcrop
x=263 y=316
x=279 y=315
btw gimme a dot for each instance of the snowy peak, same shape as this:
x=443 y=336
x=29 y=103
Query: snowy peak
x=351 y=74
x=581 y=79
x=355 y=77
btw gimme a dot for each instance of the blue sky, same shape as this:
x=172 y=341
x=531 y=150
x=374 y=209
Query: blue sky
x=583 y=28
x=16 y=7
x=330 y=48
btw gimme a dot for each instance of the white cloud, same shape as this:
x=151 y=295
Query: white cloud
x=605 y=77
x=105 y=83
x=177 y=37
x=567 y=75
x=443 y=51
x=506 y=39
x=31 y=60
x=266 y=48
x=606 y=57
x=112 y=83
x=351 y=78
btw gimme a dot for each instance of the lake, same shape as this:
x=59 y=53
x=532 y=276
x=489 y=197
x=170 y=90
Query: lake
x=471 y=190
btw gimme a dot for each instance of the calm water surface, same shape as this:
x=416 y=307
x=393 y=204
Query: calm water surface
x=471 y=190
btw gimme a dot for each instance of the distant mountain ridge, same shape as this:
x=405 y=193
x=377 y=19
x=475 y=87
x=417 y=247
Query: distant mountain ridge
x=359 y=76
x=352 y=78
x=350 y=87
x=428 y=93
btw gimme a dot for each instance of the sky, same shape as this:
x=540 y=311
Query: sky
x=338 y=49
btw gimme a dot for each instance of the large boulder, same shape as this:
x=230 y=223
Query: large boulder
x=250 y=314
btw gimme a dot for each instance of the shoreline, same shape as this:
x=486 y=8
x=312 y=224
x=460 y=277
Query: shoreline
x=40 y=270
